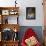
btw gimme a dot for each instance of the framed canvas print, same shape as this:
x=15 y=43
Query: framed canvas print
x=30 y=13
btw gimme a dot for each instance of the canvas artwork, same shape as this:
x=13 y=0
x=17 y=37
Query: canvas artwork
x=30 y=13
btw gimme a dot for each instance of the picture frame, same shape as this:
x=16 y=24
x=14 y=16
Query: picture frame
x=30 y=13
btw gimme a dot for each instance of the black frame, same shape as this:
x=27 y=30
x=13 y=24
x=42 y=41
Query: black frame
x=30 y=10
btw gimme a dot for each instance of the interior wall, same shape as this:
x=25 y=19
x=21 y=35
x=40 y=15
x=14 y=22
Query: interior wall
x=22 y=11
x=37 y=29
x=39 y=13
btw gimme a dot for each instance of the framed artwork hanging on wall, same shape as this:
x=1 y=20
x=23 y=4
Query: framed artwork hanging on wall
x=30 y=13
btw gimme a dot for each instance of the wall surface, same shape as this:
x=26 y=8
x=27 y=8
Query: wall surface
x=39 y=13
x=37 y=29
x=22 y=11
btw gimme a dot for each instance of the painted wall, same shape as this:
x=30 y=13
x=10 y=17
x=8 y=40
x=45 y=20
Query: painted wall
x=22 y=11
x=37 y=29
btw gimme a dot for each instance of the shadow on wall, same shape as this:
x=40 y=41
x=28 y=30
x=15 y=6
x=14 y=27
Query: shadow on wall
x=37 y=29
